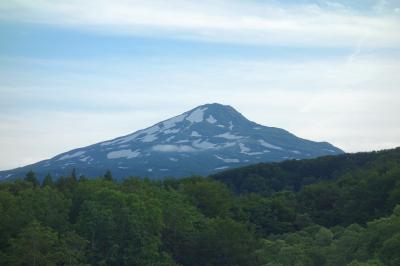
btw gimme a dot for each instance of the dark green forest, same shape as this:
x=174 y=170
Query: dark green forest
x=335 y=210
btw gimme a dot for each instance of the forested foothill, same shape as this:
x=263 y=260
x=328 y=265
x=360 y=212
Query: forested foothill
x=335 y=210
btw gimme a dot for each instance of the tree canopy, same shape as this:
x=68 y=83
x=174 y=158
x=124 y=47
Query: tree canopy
x=341 y=210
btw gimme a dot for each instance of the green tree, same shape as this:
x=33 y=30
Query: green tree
x=108 y=176
x=73 y=174
x=293 y=256
x=122 y=229
x=225 y=242
x=48 y=181
x=324 y=237
x=346 y=248
x=11 y=217
x=36 y=245
x=47 y=205
x=82 y=178
x=182 y=223
x=75 y=248
x=270 y=216
x=212 y=198
x=390 y=251
x=31 y=177
x=320 y=201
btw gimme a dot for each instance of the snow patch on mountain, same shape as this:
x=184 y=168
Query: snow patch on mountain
x=84 y=159
x=123 y=146
x=221 y=168
x=246 y=150
x=211 y=119
x=8 y=175
x=150 y=130
x=128 y=154
x=195 y=134
x=67 y=164
x=173 y=121
x=243 y=148
x=72 y=155
x=107 y=143
x=227 y=160
x=204 y=145
x=171 y=131
x=269 y=145
x=197 y=115
x=169 y=139
x=122 y=140
x=173 y=148
x=149 y=138
x=229 y=135
x=329 y=150
x=182 y=141
x=255 y=153
x=229 y=144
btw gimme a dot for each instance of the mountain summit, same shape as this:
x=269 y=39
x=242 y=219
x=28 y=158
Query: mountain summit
x=204 y=140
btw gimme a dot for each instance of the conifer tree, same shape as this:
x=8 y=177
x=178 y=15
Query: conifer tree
x=82 y=178
x=108 y=176
x=48 y=181
x=31 y=177
x=73 y=174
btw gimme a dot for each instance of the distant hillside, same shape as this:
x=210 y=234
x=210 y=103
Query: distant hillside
x=267 y=178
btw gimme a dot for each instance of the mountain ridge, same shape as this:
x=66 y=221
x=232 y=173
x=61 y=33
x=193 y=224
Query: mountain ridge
x=203 y=140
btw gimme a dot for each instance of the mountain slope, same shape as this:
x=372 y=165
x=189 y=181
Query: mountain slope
x=201 y=141
x=269 y=178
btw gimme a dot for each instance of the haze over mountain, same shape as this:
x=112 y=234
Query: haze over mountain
x=204 y=140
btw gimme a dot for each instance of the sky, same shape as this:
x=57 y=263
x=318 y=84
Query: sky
x=74 y=73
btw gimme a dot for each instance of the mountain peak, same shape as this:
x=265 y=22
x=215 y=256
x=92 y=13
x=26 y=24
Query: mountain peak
x=214 y=105
x=216 y=112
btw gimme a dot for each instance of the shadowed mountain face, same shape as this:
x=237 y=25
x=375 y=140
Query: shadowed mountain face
x=204 y=140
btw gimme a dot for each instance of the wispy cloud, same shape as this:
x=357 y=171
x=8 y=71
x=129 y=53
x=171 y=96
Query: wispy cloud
x=357 y=50
x=329 y=24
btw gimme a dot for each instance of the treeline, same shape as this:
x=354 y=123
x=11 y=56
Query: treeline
x=268 y=178
x=339 y=210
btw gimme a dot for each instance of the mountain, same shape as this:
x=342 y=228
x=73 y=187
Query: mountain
x=204 y=140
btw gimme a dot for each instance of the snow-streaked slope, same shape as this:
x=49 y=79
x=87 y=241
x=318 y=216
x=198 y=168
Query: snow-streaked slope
x=201 y=141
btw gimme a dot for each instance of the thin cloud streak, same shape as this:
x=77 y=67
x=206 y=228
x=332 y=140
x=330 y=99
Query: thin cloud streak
x=216 y=21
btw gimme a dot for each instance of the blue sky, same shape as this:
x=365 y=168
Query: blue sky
x=73 y=73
